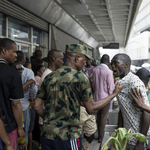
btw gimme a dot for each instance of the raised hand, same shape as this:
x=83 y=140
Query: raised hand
x=118 y=88
x=137 y=97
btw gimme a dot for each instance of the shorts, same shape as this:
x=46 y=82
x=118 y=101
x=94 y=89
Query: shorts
x=13 y=139
x=74 y=144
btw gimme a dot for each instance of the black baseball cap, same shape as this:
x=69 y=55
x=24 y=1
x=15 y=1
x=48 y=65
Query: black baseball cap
x=143 y=74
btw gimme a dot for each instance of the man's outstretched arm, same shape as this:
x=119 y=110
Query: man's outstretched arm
x=93 y=107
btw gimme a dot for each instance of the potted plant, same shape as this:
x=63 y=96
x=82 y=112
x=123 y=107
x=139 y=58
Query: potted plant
x=120 y=137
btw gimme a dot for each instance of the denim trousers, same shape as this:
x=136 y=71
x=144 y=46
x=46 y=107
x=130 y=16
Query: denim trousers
x=26 y=116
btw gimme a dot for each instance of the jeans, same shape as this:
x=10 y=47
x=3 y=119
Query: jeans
x=26 y=116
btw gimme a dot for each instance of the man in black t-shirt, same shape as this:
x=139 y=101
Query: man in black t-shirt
x=11 y=92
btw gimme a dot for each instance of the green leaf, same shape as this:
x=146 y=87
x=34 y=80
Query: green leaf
x=128 y=136
x=138 y=136
x=116 y=145
x=121 y=136
x=114 y=134
x=109 y=139
x=105 y=147
x=122 y=133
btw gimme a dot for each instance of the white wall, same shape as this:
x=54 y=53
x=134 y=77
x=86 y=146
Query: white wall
x=110 y=52
x=137 y=47
x=143 y=17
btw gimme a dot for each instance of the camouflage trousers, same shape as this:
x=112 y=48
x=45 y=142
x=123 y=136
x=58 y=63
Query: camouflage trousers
x=87 y=126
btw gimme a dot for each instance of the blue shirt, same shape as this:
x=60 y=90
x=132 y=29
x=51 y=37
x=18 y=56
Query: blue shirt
x=30 y=91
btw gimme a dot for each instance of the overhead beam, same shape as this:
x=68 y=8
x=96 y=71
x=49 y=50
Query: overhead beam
x=110 y=16
x=129 y=18
x=93 y=19
x=73 y=17
x=133 y=19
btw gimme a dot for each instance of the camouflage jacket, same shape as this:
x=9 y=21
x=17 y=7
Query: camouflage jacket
x=63 y=90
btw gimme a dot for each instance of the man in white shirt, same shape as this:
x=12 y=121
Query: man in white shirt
x=129 y=115
x=55 y=61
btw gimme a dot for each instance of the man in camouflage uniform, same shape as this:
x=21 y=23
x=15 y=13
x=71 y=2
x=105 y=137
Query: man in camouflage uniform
x=63 y=90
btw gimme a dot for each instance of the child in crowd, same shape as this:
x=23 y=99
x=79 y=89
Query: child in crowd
x=28 y=65
x=38 y=70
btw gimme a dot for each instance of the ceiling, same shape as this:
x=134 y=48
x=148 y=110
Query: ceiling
x=95 y=22
x=108 y=21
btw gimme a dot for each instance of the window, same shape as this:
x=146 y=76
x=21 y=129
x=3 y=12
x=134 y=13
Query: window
x=25 y=50
x=18 y=30
x=40 y=37
x=2 y=25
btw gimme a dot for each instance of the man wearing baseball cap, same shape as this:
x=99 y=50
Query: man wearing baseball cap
x=63 y=90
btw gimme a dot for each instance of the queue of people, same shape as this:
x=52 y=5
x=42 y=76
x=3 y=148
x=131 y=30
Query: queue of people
x=66 y=97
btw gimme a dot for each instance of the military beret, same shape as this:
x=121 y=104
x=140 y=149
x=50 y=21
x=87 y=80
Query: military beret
x=78 y=48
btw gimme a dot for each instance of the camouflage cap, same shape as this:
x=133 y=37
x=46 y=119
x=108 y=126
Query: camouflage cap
x=78 y=48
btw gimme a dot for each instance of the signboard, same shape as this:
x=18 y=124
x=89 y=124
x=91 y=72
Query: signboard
x=112 y=46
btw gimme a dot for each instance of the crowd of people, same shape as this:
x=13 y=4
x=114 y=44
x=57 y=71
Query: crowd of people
x=67 y=102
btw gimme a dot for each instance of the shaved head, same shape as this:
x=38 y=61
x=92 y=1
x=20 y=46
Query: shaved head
x=53 y=53
x=54 y=59
x=124 y=57
x=75 y=60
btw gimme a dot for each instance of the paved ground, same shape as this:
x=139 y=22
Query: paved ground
x=94 y=145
